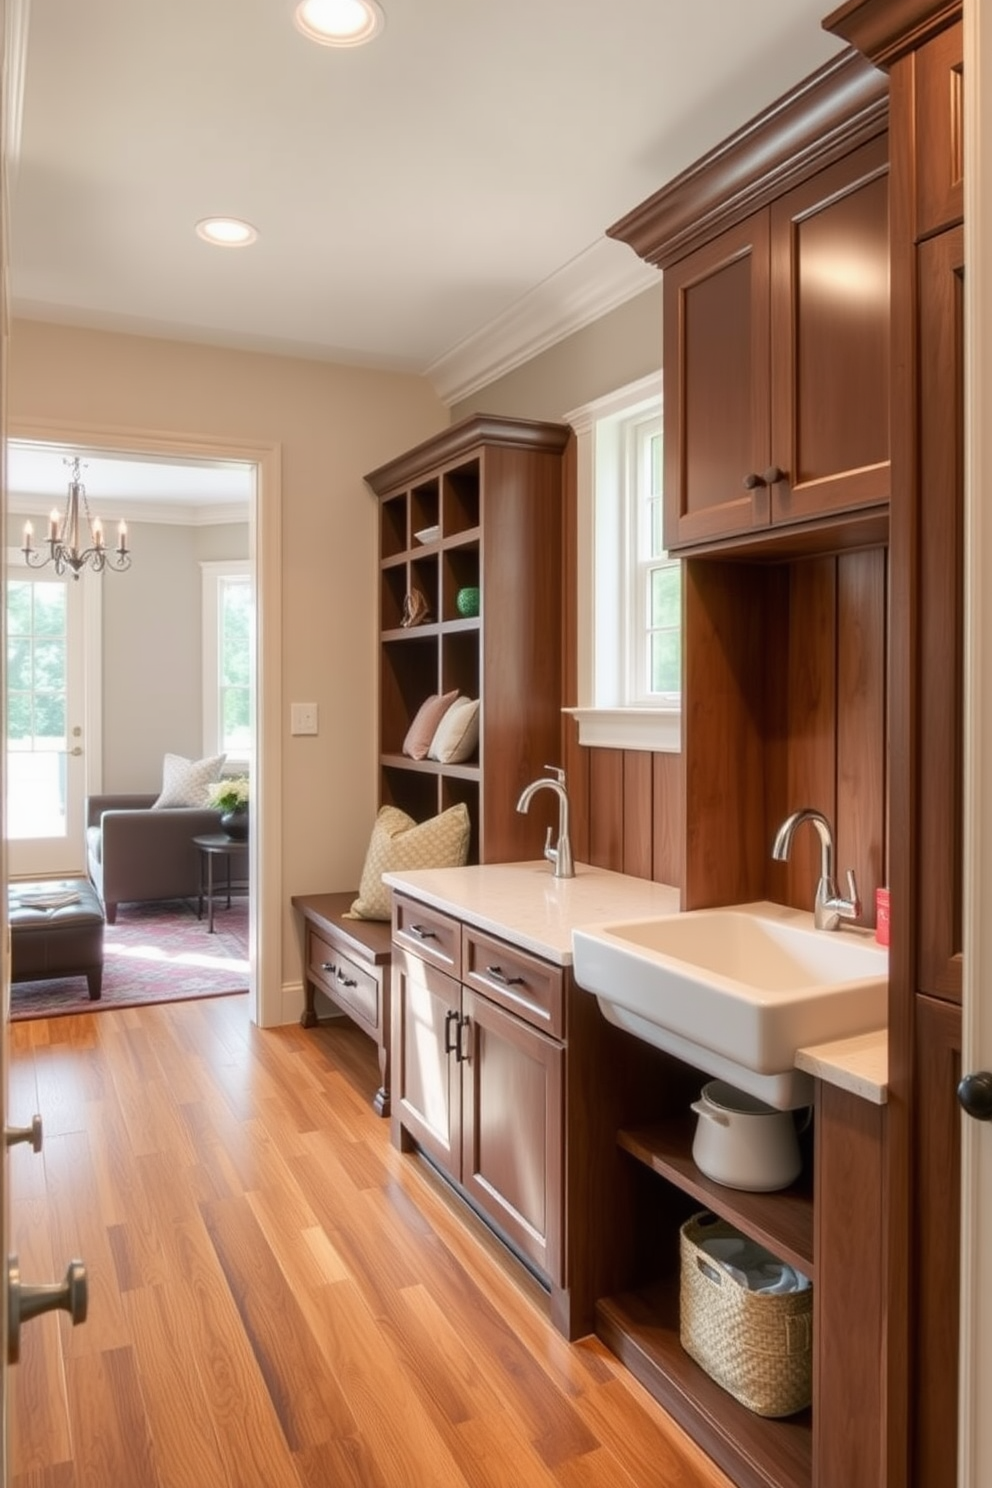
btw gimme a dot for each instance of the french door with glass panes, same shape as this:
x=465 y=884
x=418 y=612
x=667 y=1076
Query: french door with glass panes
x=46 y=775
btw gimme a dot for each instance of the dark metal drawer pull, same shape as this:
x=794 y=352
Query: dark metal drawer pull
x=450 y=1017
x=422 y=933
x=499 y=975
x=346 y=981
x=329 y=967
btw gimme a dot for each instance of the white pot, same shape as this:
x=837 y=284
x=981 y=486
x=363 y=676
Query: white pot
x=743 y=1143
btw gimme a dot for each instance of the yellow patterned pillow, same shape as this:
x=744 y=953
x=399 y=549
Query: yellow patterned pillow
x=398 y=842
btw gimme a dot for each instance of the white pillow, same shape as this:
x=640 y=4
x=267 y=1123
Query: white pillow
x=187 y=782
x=456 y=738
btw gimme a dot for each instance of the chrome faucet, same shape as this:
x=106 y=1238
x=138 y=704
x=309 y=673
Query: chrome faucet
x=828 y=907
x=560 y=856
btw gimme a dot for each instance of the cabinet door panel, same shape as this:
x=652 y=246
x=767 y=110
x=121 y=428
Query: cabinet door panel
x=513 y=1129
x=716 y=386
x=426 y=1076
x=940 y=131
x=941 y=695
x=830 y=339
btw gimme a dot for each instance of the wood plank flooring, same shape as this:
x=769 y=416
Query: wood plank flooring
x=278 y=1298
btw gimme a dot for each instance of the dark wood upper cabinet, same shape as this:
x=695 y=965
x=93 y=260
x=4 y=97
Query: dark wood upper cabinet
x=776 y=347
x=775 y=254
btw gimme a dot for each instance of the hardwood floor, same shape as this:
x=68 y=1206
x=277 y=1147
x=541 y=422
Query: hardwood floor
x=278 y=1299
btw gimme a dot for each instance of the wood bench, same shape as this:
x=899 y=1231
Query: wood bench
x=349 y=961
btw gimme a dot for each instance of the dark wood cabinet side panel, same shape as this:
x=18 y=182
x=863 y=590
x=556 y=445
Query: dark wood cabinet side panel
x=940 y=131
x=812 y=716
x=941 y=589
x=521 y=639
x=861 y=713
x=848 y=1300
x=935 y=1231
x=638 y=813
x=606 y=809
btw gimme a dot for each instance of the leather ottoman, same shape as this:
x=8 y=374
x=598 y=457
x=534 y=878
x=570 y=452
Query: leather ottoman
x=56 y=930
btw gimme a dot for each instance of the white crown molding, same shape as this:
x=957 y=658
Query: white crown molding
x=599 y=280
x=17 y=14
x=108 y=509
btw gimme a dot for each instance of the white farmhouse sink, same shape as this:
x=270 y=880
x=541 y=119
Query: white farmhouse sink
x=737 y=991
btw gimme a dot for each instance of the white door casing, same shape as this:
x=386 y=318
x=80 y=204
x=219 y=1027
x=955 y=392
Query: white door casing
x=975 y=1419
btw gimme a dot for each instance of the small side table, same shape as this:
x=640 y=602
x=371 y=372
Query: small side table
x=214 y=845
x=349 y=961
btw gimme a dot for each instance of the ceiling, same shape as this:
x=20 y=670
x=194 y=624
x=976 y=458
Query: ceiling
x=433 y=202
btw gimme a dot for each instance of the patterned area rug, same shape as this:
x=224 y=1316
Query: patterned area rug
x=155 y=953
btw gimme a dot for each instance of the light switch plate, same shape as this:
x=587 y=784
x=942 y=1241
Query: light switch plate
x=303 y=718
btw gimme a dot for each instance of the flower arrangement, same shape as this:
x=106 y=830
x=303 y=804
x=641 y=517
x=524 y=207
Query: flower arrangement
x=231 y=794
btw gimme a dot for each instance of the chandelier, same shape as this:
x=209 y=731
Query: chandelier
x=64 y=536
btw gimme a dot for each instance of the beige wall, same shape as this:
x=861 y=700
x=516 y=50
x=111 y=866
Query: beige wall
x=615 y=350
x=332 y=424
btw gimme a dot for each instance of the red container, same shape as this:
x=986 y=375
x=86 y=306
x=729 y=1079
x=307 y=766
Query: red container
x=882 y=916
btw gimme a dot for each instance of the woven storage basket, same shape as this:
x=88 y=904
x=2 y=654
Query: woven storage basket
x=758 y=1346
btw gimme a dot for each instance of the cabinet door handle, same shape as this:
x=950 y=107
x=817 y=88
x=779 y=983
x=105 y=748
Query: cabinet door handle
x=460 y=1054
x=329 y=967
x=422 y=933
x=346 y=981
x=773 y=475
x=499 y=975
x=753 y=480
x=450 y=1017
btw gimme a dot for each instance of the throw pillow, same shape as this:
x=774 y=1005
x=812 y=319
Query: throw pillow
x=398 y=842
x=457 y=736
x=187 y=782
x=422 y=729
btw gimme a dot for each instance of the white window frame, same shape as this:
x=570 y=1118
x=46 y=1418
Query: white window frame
x=213 y=573
x=614 y=710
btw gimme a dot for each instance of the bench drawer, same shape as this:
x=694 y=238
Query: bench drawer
x=345 y=982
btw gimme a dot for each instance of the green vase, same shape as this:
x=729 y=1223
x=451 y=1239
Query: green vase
x=467 y=601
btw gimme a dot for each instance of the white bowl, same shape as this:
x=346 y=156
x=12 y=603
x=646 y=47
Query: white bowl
x=428 y=534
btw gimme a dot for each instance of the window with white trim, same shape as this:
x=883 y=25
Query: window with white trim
x=228 y=647
x=629 y=590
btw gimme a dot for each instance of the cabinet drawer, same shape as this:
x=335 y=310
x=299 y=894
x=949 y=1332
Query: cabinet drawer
x=428 y=933
x=346 y=983
x=523 y=983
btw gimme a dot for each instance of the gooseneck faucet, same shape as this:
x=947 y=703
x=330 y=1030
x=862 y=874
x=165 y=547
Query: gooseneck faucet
x=561 y=855
x=828 y=907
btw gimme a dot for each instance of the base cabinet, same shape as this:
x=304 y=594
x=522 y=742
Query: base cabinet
x=481 y=1093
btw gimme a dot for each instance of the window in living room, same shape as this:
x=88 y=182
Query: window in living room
x=228 y=642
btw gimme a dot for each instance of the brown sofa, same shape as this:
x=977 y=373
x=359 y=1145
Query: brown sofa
x=135 y=854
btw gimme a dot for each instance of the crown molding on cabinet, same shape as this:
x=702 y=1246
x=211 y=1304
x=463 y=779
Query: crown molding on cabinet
x=884 y=30
x=830 y=113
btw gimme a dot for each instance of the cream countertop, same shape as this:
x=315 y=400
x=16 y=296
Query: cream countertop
x=525 y=903
x=859 y=1064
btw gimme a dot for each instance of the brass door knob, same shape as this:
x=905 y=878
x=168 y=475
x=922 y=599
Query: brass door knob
x=25 y=1301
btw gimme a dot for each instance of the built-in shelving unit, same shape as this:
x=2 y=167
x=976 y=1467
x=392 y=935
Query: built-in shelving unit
x=485 y=497
x=641 y=1326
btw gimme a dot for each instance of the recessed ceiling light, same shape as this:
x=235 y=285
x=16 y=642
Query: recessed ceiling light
x=226 y=232
x=339 y=23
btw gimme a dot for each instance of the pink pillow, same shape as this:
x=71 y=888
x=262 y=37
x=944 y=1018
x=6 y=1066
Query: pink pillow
x=424 y=726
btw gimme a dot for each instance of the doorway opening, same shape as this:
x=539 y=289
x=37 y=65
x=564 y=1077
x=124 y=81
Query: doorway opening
x=162 y=486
